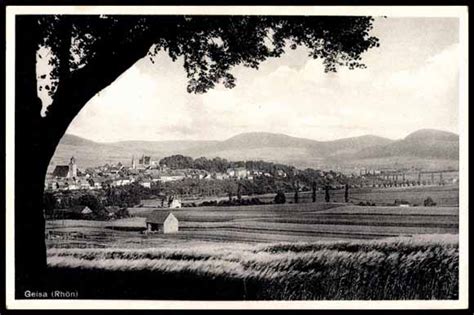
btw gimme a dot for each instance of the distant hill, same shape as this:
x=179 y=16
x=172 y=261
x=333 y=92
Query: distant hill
x=73 y=140
x=265 y=139
x=424 y=147
x=285 y=149
x=425 y=143
x=274 y=140
x=432 y=135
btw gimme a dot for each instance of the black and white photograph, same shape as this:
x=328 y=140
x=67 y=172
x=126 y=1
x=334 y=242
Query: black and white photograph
x=176 y=157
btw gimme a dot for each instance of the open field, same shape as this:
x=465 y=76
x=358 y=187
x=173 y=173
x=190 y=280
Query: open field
x=443 y=195
x=290 y=251
x=263 y=223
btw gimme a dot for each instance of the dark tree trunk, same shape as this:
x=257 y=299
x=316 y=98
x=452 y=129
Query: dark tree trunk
x=31 y=162
x=296 y=192
x=36 y=137
x=346 y=193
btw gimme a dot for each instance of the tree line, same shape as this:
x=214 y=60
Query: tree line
x=97 y=201
x=221 y=165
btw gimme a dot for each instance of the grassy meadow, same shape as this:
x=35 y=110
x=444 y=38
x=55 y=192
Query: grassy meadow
x=420 y=267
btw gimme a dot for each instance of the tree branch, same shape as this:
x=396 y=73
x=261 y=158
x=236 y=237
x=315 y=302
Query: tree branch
x=77 y=89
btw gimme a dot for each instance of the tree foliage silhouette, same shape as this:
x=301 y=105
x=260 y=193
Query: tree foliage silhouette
x=314 y=188
x=280 y=197
x=327 y=197
x=87 y=53
x=346 y=193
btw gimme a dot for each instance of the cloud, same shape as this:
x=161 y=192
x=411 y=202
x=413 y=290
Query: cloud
x=379 y=102
x=136 y=106
x=438 y=70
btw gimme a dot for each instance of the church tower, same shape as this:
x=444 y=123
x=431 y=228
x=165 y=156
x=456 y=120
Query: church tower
x=72 y=168
x=134 y=166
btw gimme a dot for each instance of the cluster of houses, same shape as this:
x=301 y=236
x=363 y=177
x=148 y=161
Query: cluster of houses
x=70 y=177
x=144 y=171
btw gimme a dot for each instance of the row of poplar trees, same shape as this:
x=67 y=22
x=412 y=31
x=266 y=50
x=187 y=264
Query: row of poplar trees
x=314 y=187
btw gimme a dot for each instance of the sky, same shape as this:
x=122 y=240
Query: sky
x=411 y=82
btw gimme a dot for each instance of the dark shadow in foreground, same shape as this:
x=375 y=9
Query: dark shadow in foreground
x=152 y=285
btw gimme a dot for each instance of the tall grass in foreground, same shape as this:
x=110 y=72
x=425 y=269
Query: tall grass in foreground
x=420 y=267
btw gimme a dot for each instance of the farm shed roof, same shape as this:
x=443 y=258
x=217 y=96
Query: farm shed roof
x=158 y=216
x=80 y=209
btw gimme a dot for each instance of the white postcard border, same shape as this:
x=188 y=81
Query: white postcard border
x=460 y=12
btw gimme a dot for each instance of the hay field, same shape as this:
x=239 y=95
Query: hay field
x=420 y=267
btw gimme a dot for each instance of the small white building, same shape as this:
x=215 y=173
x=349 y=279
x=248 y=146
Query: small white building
x=281 y=173
x=71 y=185
x=146 y=184
x=241 y=172
x=175 y=203
x=231 y=172
x=162 y=221
x=220 y=176
x=84 y=184
x=170 y=178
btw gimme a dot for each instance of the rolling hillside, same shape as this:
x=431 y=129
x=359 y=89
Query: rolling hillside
x=425 y=143
x=424 y=148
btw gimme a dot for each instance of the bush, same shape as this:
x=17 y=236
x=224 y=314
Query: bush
x=122 y=213
x=209 y=203
x=189 y=205
x=366 y=203
x=280 y=198
x=237 y=202
x=91 y=201
x=429 y=202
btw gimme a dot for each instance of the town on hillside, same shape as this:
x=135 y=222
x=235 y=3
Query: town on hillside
x=179 y=181
x=145 y=172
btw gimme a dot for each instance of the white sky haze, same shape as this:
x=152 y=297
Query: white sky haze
x=411 y=82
